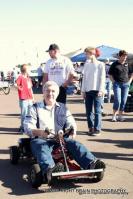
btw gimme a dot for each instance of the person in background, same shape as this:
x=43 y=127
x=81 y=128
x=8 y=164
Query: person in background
x=40 y=74
x=121 y=77
x=108 y=84
x=2 y=76
x=93 y=89
x=59 y=69
x=25 y=94
x=14 y=75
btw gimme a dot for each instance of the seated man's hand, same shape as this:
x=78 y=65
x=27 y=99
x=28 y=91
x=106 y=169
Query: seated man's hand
x=59 y=137
x=69 y=131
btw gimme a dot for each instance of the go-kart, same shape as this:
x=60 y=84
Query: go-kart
x=69 y=169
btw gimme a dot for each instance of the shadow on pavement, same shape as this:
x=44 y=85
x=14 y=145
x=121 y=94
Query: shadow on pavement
x=14 y=177
x=114 y=156
x=126 y=120
x=8 y=130
x=12 y=115
x=82 y=133
x=75 y=101
x=119 y=143
x=4 y=151
x=80 y=119
x=79 y=116
x=118 y=130
x=129 y=119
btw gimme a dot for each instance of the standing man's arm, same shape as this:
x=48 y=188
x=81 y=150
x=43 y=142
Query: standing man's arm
x=70 y=73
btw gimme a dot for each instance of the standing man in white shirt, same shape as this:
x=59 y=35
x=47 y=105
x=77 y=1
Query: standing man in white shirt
x=60 y=70
x=93 y=88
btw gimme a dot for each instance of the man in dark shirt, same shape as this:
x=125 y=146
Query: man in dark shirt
x=121 y=77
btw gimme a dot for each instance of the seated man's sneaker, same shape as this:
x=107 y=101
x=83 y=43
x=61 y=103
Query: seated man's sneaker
x=59 y=167
x=97 y=164
x=114 y=118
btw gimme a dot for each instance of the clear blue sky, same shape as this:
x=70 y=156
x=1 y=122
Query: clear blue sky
x=28 y=26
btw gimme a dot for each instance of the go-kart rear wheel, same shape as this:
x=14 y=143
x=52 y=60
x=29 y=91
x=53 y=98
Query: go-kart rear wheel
x=98 y=176
x=14 y=154
x=36 y=177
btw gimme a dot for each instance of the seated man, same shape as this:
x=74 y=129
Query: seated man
x=55 y=116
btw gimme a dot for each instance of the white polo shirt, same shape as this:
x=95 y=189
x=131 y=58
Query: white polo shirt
x=58 y=69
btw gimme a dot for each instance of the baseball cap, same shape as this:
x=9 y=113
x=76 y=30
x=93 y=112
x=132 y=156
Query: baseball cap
x=53 y=47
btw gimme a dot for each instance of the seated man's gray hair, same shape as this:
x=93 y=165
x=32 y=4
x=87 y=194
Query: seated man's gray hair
x=51 y=83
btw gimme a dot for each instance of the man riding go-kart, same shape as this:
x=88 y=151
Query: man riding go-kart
x=49 y=114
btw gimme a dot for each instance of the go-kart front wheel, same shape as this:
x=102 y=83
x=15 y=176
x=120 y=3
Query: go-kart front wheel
x=98 y=176
x=36 y=177
x=14 y=154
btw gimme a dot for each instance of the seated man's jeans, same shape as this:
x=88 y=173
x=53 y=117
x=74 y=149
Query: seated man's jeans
x=120 y=95
x=42 y=150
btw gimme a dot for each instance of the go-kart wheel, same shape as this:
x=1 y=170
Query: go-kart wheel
x=14 y=154
x=36 y=177
x=98 y=176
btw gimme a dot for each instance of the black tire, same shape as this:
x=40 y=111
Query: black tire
x=14 y=154
x=98 y=176
x=6 y=90
x=36 y=177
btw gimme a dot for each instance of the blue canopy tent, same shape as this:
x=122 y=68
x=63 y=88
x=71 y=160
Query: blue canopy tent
x=106 y=52
x=78 y=58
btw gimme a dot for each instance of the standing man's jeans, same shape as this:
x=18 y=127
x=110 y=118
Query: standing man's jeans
x=93 y=100
x=24 y=106
x=42 y=149
x=120 y=95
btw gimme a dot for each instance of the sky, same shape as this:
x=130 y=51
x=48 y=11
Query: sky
x=28 y=27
